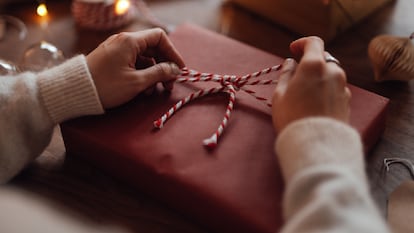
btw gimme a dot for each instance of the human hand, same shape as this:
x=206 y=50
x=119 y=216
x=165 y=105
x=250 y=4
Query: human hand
x=314 y=87
x=113 y=65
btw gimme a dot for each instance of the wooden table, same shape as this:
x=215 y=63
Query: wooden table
x=90 y=195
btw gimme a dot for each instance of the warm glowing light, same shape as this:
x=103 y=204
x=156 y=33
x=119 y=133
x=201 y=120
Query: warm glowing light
x=42 y=10
x=122 y=6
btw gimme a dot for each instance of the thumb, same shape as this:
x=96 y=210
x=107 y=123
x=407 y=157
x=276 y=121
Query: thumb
x=160 y=72
x=288 y=69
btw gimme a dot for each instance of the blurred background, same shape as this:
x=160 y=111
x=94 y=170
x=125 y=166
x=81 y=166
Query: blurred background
x=33 y=38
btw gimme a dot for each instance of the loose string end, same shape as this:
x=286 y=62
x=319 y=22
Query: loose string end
x=210 y=143
x=158 y=124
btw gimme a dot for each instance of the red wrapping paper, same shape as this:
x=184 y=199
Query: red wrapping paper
x=237 y=187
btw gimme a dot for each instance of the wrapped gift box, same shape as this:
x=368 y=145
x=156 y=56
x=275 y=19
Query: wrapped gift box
x=237 y=186
x=325 y=18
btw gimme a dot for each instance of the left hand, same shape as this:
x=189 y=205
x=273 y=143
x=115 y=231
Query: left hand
x=113 y=65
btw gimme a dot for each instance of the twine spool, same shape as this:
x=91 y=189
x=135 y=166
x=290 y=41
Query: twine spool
x=101 y=14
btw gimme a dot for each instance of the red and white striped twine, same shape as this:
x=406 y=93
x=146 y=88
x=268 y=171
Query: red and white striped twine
x=229 y=84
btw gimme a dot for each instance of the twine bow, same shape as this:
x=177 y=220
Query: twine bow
x=229 y=84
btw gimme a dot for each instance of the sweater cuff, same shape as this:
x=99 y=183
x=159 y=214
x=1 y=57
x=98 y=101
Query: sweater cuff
x=319 y=141
x=68 y=90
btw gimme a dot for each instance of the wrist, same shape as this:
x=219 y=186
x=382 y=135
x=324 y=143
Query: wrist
x=317 y=141
x=68 y=90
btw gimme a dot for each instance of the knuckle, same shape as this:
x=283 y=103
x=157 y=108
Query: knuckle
x=342 y=75
x=348 y=93
x=316 y=39
x=123 y=37
x=315 y=64
x=339 y=75
x=159 y=31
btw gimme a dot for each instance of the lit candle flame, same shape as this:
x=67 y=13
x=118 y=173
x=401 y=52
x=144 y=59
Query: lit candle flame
x=42 y=10
x=122 y=6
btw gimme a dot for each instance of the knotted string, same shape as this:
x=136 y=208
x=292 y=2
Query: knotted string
x=229 y=84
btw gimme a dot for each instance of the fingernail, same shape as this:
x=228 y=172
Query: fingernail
x=288 y=63
x=175 y=69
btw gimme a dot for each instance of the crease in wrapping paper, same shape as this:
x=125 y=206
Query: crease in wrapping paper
x=237 y=187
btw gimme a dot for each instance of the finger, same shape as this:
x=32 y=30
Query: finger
x=297 y=47
x=335 y=71
x=161 y=72
x=331 y=59
x=288 y=69
x=312 y=62
x=308 y=48
x=157 y=39
x=314 y=51
x=333 y=67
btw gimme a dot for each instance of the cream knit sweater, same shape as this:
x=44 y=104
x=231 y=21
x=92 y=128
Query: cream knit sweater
x=321 y=159
x=327 y=189
x=32 y=104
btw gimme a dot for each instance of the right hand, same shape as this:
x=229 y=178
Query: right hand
x=313 y=87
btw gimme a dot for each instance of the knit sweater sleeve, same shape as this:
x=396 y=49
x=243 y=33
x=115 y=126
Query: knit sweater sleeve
x=327 y=189
x=32 y=104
